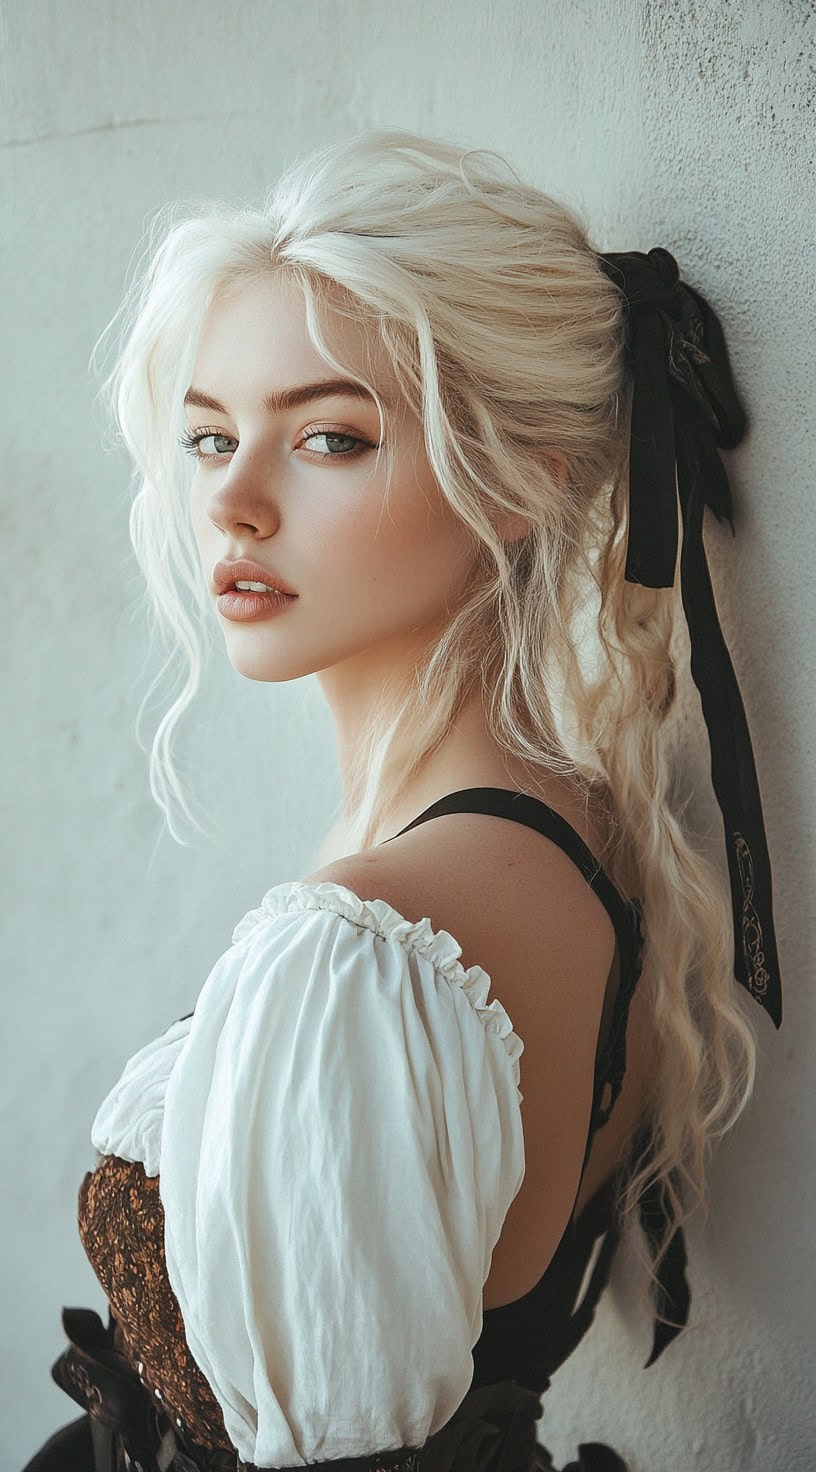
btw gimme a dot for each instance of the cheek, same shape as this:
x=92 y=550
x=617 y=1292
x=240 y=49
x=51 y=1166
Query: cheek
x=208 y=538
x=413 y=551
x=203 y=528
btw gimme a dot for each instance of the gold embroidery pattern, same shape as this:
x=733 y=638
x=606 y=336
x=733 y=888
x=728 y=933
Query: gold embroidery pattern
x=92 y=1393
x=121 y=1225
x=752 y=942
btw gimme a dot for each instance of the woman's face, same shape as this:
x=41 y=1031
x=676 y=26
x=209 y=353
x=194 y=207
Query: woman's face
x=296 y=490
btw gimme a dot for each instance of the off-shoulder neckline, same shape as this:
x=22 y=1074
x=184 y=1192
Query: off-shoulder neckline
x=382 y=919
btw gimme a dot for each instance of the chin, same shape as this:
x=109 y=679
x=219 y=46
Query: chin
x=267 y=666
x=267 y=669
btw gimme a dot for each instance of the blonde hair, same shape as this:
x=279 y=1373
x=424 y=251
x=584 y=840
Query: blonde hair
x=507 y=341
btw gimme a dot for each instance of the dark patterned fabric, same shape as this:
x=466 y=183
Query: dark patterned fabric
x=121 y=1224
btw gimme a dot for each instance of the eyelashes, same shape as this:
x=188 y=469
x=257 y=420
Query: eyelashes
x=192 y=441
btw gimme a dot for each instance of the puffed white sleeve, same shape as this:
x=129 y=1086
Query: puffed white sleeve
x=341 y=1141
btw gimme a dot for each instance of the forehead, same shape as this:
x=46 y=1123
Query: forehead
x=255 y=332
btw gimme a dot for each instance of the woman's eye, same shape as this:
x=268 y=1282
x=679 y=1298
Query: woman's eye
x=330 y=438
x=195 y=439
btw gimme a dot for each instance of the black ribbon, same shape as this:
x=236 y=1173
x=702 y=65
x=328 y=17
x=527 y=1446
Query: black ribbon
x=684 y=410
x=101 y=1380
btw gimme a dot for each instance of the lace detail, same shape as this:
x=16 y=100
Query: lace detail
x=415 y=936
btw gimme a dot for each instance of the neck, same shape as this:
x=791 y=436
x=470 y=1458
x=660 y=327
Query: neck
x=354 y=686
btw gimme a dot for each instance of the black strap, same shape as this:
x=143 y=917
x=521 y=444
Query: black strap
x=519 y=807
x=625 y=914
x=671 y=1294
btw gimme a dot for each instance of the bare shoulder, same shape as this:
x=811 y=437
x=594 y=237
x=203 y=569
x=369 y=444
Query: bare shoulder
x=503 y=890
x=522 y=910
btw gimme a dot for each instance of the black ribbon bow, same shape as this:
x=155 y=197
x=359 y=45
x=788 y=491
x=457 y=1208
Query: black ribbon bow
x=684 y=410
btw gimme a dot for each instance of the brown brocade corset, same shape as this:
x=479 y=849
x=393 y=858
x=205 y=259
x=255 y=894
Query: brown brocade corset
x=121 y=1224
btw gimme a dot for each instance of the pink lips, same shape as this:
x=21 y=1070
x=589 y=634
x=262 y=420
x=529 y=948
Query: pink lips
x=227 y=574
x=243 y=606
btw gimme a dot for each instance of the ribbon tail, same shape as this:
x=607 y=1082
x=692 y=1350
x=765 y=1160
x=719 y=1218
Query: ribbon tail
x=651 y=549
x=671 y=1293
x=733 y=772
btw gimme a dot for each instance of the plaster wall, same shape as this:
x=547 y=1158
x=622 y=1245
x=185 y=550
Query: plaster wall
x=689 y=125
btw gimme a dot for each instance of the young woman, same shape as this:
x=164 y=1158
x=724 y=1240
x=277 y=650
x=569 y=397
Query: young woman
x=403 y=428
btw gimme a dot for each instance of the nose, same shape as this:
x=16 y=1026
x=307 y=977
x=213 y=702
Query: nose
x=244 y=499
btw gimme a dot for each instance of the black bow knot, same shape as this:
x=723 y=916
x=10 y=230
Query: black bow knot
x=649 y=279
x=694 y=346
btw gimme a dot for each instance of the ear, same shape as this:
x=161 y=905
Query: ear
x=557 y=464
x=512 y=525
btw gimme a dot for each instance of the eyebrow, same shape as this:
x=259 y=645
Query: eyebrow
x=288 y=398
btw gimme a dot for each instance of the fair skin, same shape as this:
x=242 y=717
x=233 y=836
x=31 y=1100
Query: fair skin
x=375 y=583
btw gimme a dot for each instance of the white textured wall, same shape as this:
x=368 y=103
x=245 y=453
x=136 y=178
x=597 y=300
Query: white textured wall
x=685 y=125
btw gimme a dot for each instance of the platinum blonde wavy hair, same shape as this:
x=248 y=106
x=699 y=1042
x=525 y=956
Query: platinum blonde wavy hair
x=507 y=339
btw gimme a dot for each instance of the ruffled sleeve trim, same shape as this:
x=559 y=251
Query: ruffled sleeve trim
x=415 y=936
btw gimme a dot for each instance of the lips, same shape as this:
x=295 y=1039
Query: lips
x=227 y=574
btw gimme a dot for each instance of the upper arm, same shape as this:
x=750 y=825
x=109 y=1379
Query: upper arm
x=341 y=1141
x=521 y=910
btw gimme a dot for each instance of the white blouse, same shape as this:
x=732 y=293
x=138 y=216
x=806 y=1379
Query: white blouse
x=338 y=1138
